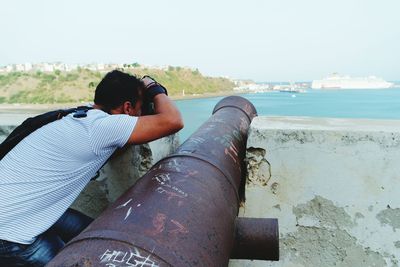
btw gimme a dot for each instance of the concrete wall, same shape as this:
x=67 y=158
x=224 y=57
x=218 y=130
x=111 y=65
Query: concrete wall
x=334 y=185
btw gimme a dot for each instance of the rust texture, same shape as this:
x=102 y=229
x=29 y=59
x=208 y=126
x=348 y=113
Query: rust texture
x=182 y=211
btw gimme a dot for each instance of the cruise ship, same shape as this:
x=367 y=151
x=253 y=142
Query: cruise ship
x=336 y=81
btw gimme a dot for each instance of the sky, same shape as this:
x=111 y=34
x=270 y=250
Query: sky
x=262 y=40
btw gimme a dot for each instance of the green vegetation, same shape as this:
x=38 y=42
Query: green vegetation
x=79 y=85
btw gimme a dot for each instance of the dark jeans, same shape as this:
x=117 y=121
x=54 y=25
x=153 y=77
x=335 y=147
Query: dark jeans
x=47 y=245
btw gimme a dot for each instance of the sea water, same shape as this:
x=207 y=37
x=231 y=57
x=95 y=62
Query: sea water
x=370 y=104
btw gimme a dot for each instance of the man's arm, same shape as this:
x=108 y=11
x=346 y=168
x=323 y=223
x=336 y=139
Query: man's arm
x=167 y=120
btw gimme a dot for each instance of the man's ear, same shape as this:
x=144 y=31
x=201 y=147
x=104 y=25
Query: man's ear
x=127 y=107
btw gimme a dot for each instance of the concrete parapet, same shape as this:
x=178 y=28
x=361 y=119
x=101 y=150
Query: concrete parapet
x=332 y=183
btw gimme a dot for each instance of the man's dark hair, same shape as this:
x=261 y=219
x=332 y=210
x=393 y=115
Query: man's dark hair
x=116 y=88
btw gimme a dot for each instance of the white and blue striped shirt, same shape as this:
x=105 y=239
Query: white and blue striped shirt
x=46 y=171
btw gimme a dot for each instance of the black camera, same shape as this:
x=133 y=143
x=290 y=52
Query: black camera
x=153 y=88
x=147 y=107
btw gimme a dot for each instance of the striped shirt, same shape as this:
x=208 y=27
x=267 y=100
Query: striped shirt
x=46 y=171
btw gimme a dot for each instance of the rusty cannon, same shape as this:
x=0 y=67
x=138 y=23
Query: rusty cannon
x=183 y=211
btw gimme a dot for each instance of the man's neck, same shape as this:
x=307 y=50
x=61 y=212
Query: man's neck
x=95 y=106
x=100 y=107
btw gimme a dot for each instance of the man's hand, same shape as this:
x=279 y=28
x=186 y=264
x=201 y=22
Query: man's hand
x=153 y=88
x=165 y=120
x=148 y=81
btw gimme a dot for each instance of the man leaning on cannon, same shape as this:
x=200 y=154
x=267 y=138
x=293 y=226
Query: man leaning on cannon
x=45 y=172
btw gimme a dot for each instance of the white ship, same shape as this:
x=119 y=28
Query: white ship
x=336 y=81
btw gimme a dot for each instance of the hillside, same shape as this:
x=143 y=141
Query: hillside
x=79 y=85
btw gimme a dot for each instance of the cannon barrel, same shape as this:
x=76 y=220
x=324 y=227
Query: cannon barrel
x=183 y=211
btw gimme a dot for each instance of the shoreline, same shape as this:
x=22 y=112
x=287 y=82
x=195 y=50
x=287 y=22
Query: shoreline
x=35 y=108
x=206 y=95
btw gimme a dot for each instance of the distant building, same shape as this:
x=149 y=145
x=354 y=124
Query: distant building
x=100 y=66
x=71 y=67
x=19 y=67
x=28 y=66
x=9 y=68
x=48 y=67
x=59 y=66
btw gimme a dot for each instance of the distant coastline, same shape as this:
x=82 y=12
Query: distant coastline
x=15 y=114
x=18 y=108
x=78 y=86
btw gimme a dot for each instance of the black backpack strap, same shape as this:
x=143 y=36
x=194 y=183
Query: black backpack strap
x=32 y=124
x=80 y=112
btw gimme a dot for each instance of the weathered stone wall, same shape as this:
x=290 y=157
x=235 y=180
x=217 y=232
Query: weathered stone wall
x=120 y=173
x=334 y=186
x=5 y=130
